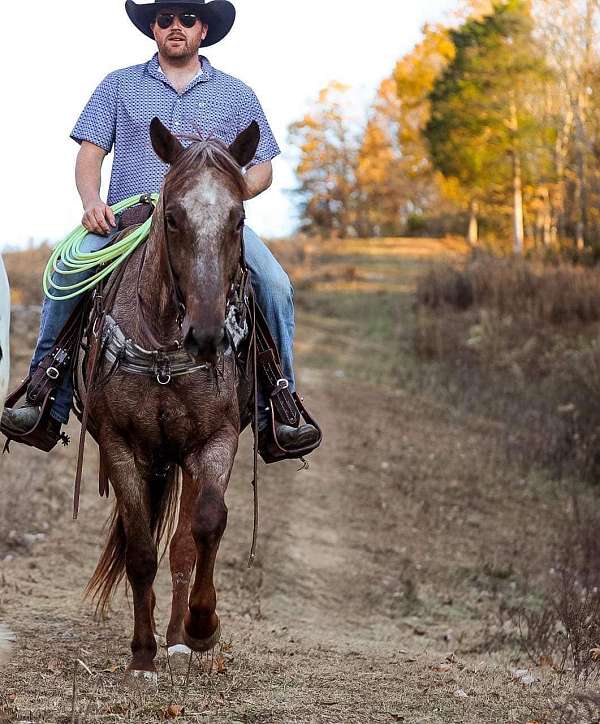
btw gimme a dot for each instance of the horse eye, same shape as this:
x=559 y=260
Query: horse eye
x=171 y=221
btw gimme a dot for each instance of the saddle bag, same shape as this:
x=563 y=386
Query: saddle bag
x=40 y=388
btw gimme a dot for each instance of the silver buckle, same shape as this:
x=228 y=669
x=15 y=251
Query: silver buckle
x=282 y=384
x=52 y=373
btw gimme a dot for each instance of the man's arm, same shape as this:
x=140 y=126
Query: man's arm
x=258 y=179
x=98 y=217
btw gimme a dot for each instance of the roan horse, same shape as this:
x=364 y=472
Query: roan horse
x=176 y=289
x=5 y=635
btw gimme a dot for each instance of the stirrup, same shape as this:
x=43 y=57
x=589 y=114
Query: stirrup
x=272 y=451
x=44 y=435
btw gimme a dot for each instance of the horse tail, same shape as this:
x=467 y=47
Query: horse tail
x=164 y=499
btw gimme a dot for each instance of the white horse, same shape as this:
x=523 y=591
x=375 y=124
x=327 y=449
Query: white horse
x=6 y=636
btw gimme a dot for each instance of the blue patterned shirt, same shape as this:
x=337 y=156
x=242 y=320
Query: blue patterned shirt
x=213 y=104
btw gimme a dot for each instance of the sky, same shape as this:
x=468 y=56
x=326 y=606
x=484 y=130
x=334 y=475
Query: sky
x=55 y=54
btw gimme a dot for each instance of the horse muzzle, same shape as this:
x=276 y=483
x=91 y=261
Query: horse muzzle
x=204 y=345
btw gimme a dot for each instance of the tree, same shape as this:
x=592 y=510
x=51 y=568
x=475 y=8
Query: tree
x=568 y=30
x=327 y=164
x=379 y=182
x=482 y=127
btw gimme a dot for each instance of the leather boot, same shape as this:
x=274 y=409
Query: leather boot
x=295 y=438
x=290 y=438
x=21 y=419
x=18 y=424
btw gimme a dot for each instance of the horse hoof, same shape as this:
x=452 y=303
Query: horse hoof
x=140 y=680
x=179 y=658
x=200 y=645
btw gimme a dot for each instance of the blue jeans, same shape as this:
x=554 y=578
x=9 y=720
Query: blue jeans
x=274 y=294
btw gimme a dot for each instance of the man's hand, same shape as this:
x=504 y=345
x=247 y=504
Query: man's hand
x=98 y=217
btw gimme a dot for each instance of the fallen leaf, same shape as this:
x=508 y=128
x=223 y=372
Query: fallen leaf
x=441 y=667
x=220 y=664
x=548 y=661
x=173 y=711
x=460 y=694
x=595 y=652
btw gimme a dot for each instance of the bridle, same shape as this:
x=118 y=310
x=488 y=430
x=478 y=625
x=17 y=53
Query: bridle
x=177 y=298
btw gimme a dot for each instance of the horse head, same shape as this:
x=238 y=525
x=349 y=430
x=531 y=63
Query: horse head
x=201 y=217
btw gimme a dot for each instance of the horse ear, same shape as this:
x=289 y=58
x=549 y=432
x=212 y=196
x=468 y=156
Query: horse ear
x=244 y=147
x=165 y=144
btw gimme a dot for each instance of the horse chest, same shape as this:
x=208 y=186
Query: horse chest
x=173 y=416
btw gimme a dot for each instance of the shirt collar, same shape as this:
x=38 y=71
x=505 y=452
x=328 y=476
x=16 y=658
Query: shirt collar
x=153 y=68
x=160 y=70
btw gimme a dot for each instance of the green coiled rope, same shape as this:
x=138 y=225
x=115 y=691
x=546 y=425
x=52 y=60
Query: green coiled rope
x=74 y=260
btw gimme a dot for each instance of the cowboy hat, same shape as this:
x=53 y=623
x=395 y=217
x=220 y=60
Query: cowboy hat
x=219 y=15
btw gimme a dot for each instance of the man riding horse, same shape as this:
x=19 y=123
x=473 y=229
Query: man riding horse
x=189 y=96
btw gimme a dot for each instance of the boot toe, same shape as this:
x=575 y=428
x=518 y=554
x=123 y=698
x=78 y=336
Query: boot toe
x=294 y=438
x=20 y=419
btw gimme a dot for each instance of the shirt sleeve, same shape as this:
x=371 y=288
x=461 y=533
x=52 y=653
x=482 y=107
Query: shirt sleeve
x=251 y=110
x=98 y=121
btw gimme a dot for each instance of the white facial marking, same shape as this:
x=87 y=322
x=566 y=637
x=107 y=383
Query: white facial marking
x=207 y=205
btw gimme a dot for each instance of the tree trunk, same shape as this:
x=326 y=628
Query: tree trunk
x=581 y=135
x=580 y=177
x=543 y=221
x=518 y=231
x=561 y=151
x=518 y=226
x=473 y=233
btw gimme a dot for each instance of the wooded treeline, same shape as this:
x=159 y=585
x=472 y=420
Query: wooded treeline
x=490 y=127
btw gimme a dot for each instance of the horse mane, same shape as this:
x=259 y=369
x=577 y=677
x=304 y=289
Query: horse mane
x=203 y=153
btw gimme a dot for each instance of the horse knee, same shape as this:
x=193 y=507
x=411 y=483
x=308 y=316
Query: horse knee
x=210 y=518
x=141 y=565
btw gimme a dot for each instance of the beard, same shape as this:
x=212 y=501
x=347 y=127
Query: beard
x=182 y=51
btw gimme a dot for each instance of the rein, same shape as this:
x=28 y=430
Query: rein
x=177 y=296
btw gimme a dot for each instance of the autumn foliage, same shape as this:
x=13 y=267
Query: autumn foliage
x=488 y=127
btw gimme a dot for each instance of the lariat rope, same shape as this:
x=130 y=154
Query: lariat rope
x=74 y=261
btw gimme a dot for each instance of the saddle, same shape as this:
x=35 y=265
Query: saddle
x=258 y=357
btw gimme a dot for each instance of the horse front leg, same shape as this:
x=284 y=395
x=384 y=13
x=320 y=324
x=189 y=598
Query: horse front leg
x=141 y=560
x=182 y=558
x=211 y=468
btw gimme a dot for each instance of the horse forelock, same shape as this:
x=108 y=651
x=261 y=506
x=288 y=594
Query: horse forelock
x=200 y=155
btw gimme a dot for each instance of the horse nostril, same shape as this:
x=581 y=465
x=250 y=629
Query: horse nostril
x=203 y=345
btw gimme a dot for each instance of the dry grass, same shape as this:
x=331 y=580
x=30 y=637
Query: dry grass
x=519 y=341
x=24 y=269
x=378 y=564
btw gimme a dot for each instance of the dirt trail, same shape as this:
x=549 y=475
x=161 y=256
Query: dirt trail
x=368 y=601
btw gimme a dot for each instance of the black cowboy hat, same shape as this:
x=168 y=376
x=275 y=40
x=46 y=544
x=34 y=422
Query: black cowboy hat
x=219 y=15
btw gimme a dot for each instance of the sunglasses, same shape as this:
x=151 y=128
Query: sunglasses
x=165 y=20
